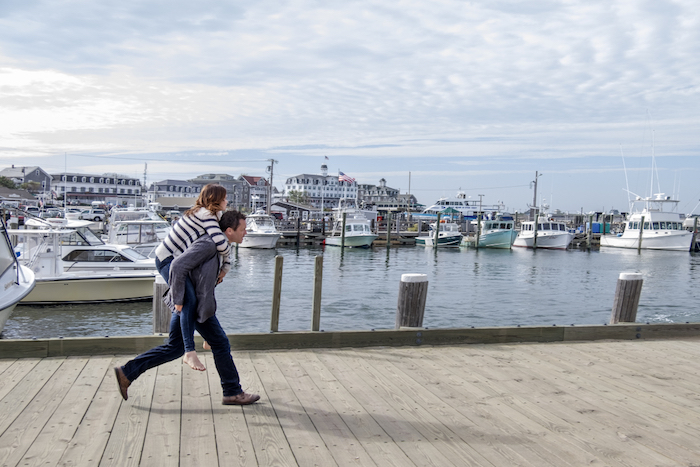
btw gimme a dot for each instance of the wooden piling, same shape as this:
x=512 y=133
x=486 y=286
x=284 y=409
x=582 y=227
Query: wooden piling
x=437 y=231
x=629 y=289
x=161 y=313
x=693 y=246
x=276 y=294
x=388 y=229
x=342 y=230
x=641 y=231
x=318 y=281
x=478 y=230
x=413 y=291
x=298 y=229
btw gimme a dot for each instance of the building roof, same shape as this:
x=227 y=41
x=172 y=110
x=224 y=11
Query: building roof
x=17 y=172
x=15 y=194
x=253 y=181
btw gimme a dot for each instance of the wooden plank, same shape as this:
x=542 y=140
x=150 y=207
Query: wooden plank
x=378 y=444
x=305 y=438
x=266 y=433
x=417 y=447
x=14 y=373
x=5 y=364
x=233 y=443
x=448 y=429
x=125 y=443
x=197 y=443
x=162 y=447
x=500 y=399
x=586 y=421
x=627 y=419
x=21 y=395
x=18 y=438
x=55 y=437
x=88 y=443
x=519 y=432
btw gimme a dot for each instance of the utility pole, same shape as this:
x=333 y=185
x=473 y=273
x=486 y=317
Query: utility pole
x=271 y=169
x=534 y=198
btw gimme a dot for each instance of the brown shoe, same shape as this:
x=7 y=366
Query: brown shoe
x=240 y=399
x=122 y=381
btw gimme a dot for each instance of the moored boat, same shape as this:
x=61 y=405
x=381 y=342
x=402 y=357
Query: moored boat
x=547 y=234
x=16 y=281
x=498 y=232
x=448 y=235
x=40 y=251
x=652 y=228
x=260 y=232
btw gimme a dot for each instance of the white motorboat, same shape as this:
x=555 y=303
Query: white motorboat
x=41 y=252
x=448 y=235
x=548 y=234
x=652 y=228
x=459 y=204
x=260 y=232
x=494 y=233
x=140 y=229
x=358 y=226
x=16 y=281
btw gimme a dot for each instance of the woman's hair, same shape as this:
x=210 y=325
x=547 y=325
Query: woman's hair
x=210 y=198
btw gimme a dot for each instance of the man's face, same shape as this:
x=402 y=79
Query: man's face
x=236 y=236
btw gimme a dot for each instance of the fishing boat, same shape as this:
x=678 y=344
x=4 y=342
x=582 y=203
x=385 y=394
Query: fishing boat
x=357 y=232
x=260 y=232
x=652 y=226
x=460 y=204
x=547 y=234
x=494 y=233
x=448 y=235
x=41 y=252
x=16 y=281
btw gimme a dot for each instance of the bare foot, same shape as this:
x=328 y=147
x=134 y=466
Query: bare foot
x=191 y=359
x=206 y=346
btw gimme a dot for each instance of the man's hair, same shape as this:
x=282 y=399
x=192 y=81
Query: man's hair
x=230 y=219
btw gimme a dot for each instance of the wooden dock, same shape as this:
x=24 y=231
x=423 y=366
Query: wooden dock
x=607 y=403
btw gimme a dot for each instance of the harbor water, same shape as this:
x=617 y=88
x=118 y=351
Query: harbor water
x=360 y=291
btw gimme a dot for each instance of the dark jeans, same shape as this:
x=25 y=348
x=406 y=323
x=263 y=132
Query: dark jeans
x=174 y=348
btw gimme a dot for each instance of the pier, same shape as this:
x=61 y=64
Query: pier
x=617 y=395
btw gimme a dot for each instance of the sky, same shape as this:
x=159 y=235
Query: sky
x=435 y=96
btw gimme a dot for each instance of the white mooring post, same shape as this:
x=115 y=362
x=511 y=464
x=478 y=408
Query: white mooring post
x=629 y=289
x=413 y=291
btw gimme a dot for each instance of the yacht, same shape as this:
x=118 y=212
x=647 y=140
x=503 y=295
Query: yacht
x=42 y=252
x=16 y=281
x=459 y=204
x=498 y=232
x=651 y=227
x=448 y=235
x=548 y=234
x=260 y=232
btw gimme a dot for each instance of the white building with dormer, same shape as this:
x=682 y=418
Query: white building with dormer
x=321 y=190
x=110 y=188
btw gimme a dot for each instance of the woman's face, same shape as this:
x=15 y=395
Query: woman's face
x=223 y=204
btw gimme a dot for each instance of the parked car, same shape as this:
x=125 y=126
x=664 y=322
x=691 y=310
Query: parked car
x=97 y=215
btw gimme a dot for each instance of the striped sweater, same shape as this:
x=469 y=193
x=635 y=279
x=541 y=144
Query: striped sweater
x=190 y=228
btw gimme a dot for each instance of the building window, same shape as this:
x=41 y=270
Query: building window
x=82 y=179
x=92 y=179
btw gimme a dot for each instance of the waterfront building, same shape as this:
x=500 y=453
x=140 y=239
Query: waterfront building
x=238 y=191
x=172 y=189
x=110 y=188
x=36 y=179
x=259 y=188
x=383 y=197
x=321 y=191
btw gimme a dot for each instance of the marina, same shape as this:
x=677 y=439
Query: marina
x=467 y=287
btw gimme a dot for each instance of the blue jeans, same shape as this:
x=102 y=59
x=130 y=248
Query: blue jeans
x=174 y=348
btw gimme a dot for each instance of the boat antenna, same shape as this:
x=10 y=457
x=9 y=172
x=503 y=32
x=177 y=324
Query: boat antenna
x=627 y=183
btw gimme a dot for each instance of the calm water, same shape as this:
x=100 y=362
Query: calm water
x=360 y=291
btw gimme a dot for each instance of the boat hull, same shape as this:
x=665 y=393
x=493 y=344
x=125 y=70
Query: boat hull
x=557 y=241
x=677 y=240
x=262 y=241
x=502 y=239
x=352 y=241
x=14 y=291
x=446 y=241
x=90 y=289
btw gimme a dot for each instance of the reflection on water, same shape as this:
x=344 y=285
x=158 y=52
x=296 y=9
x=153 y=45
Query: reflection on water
x=360 y=291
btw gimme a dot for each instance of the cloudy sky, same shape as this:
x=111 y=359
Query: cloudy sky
x=445 y=95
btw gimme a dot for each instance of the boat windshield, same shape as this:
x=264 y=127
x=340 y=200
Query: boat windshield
x=81 y=236
x=7 y=256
